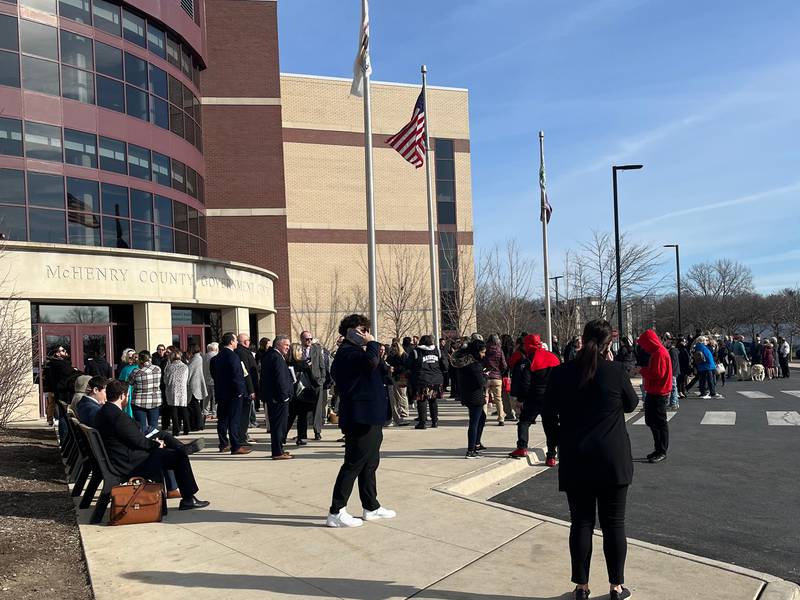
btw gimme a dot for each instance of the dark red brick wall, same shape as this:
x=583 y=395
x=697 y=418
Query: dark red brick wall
x=259 y=241
x=243 y=145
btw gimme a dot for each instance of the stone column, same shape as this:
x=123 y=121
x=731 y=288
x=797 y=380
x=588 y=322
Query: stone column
x=266 y=326
x=236 y=320
x=17 y=317
x=152 y=325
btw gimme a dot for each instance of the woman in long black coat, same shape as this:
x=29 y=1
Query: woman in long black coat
x=472 y=391
x=584 y=414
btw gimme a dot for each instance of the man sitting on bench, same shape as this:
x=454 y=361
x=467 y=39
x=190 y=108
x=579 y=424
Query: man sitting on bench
x=133 y=454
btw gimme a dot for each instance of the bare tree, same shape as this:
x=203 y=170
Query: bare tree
x=458 y=300
x=593 y=273
x=504 y=290
x=719 y=280
x=402 y=289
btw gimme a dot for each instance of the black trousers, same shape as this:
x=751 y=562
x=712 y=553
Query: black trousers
x=523 y=431
x=162 y=459
x=609 y=503
x=655 y=417
x=422 y=410
x=228 y=416
x=278 y=413
x=244 y=418
x=362 y=447
x=299 y=410
x=178 y=416
x=784 y=362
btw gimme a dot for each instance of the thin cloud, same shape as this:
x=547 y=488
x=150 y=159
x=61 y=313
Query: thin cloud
x=780 y=191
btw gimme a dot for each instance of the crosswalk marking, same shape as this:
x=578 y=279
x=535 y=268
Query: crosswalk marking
x=755 y=394
x=792 y=392
x=781 y=417
x=719 y=417
x=641 y=421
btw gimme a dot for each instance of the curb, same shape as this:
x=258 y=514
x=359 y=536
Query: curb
x=469 y=486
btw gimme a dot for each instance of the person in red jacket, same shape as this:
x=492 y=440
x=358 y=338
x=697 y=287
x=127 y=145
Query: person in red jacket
x=528 y=385
x=657 y=382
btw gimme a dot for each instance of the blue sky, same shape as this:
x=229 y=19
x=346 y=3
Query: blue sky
x=705 y=94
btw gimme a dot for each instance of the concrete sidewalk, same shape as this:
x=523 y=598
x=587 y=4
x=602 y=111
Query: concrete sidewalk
x=263 y=535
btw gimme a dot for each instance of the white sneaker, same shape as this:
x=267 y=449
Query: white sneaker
x=379 y=513
x=343 y=519
x=719 y=396
x=706 y=397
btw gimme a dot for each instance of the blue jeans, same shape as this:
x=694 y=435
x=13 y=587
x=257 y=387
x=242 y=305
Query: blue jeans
x=708 y=382
x=673 y=396
x=147 y=418
x=477 y=419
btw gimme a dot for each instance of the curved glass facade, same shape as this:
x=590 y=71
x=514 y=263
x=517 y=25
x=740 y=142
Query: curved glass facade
x=115 y=59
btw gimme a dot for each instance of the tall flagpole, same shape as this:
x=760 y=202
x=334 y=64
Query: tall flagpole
x=548 y=316
x=373 y=275
x=431 y=219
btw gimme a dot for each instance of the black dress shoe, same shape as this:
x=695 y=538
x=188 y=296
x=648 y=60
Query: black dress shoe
x=317 y=436
x=194 y=446
x=193 y=502
x=301 y=443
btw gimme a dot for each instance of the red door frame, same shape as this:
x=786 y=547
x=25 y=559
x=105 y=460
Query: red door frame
x=184 y=331
x=76 y=333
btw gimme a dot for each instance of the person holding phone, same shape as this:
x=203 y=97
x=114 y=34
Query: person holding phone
x=363 y=410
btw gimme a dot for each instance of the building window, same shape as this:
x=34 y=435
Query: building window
x=156 y=40
x=164 y=240
x=112 y=155
x=45 y=190
x=80 y=148
x=181 y=216
x=135 y=71
x=445 y=182
x=159 y=112
x=47 y=226
x=76 y=10
x=133 y=28
x=116 y=233
x=163 y=211
x=175 y=120
x=110 y=94
x=142 y=206
x=137 y=103
x=77 y=85
x=83 y=229
x=83 y=195
x=115 y=200
x=158 y=81
x=191 y=182
x=40 y=76
x=13 y=224
x=173 y=51
x=139 y=162
x=109 y=60
x=106 y=17
x=9 y=69
x=161 y=169
x=76 y=50
x=178 y=175
x=12 y=187
x=48 y=6
x=142 y=236
x=39 y=40
x=9 y=38
x=43 y=142
x=10 y=136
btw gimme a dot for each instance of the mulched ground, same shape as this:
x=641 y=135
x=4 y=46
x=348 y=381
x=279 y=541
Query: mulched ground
x=41 y=555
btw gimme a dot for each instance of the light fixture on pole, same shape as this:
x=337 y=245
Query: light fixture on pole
x=678 y=278
x=555 y=279
x=614 y=170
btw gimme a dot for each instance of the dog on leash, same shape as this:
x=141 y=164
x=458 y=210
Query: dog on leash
x=758 y=373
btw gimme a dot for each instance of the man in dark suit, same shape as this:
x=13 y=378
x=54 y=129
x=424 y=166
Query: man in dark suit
x=276 y=391
x=132 y=454
x=248 y=416
x=315 y=366
x=229 y=391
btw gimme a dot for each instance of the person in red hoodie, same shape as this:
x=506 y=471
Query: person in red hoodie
x=528 y=385
x=657 y=382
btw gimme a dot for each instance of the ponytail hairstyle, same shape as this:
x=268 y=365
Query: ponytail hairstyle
x=596 y=337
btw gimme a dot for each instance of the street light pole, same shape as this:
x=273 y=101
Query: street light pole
x=614 y=170
x=678 y=277
x=556 y=278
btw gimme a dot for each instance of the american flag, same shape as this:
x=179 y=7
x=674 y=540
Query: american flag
x=410 y=140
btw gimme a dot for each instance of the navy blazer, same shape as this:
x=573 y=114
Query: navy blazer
x=359 y=383
x=226 y=370
x=87 y=409
x=276 y=379
x=125 y=443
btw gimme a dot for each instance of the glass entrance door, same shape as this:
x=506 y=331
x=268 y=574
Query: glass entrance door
x=80 y=342
x=184 y=336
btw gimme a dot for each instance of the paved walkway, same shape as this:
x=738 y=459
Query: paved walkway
x=263 y=535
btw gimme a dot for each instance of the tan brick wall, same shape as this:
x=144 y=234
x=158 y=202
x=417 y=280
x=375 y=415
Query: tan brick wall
x=320 y=103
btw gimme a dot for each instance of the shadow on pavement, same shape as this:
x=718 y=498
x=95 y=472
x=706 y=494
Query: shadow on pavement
x=315 y=587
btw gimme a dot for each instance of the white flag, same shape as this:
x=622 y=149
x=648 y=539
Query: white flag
x=362 y=68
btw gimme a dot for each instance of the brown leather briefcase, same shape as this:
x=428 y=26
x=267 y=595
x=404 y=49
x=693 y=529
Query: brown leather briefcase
x=137 y=501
